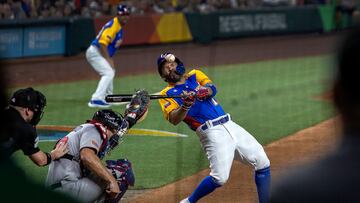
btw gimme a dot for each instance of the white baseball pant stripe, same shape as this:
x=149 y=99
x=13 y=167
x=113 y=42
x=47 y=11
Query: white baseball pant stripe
x=222 y=143
x=103 y=68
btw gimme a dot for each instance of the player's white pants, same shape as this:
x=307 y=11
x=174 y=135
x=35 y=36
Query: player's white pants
x=101 y=66
x=85 y=190
x=222 y=143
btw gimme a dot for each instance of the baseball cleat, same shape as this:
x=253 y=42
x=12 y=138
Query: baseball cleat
x=186 y=200
x=98 y=103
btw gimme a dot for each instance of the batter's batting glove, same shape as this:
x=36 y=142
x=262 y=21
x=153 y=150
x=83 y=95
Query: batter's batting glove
x=188 y=99
x=203 y=93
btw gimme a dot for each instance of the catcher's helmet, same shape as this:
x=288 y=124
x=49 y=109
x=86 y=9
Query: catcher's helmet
x=115 y=121
x=122 y=10
x=109 y=118
x=32 y=99
x=180 y=68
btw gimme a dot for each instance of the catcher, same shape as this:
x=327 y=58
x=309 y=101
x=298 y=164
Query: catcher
x=80 y=173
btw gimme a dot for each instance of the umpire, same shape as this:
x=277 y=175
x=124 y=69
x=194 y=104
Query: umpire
x=23 y=113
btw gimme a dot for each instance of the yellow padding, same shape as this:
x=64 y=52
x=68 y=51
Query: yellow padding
x=173 y=27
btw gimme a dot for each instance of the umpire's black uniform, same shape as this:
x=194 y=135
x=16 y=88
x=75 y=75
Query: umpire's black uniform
x=20 y=133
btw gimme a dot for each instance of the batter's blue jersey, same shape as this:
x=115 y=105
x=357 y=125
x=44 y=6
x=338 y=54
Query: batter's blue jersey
x=201 y=111
x=110 y=35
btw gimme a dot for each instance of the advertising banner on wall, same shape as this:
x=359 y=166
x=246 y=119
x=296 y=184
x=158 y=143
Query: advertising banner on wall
x=263 y=22
x=152 y=29
x=247 y=23
x=254 y=22
x=44 y=41
x=11 y=43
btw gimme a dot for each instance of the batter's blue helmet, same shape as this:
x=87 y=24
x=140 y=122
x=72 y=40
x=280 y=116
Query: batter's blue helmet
x=122 y=10
x=180 y=68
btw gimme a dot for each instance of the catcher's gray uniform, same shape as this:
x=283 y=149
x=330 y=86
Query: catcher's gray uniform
x=65 y=175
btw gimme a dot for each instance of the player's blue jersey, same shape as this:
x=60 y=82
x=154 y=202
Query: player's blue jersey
x=110 y=35
x=201 y=111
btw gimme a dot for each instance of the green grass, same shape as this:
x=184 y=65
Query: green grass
x=270 y=99
x=156 y=160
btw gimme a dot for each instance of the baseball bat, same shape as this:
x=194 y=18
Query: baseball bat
x=112 y=98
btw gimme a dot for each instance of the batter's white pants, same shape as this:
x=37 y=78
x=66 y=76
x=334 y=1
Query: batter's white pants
x=103 y=68
x=225 y=142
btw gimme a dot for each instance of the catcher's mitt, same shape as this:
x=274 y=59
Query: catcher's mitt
x=136 y=111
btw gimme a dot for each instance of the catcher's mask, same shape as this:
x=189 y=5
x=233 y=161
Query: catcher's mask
x=113 y=121
x=32 y=99
x=180 y=68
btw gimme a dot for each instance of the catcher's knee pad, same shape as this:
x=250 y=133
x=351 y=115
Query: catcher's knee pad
x=122 y=171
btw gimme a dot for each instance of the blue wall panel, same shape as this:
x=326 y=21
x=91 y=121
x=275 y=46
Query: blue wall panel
x=11 y=43
x=40 y=41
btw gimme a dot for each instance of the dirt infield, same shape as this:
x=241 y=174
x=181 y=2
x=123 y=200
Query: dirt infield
x=135 y=60
x=302 y=147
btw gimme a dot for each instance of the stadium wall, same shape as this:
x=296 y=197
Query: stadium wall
x=29 y=38
x=264 y=21
x=152 y=29
x=25 y=38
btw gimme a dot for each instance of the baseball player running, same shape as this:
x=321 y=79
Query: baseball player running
x=221 y=138
x=80 y=173
x=100 y=53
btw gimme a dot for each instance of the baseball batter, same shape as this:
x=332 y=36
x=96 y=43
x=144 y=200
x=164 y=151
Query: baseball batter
x=221 y=138
x=100 y=53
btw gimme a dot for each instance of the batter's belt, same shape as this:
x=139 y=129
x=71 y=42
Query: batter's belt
x=215 y=122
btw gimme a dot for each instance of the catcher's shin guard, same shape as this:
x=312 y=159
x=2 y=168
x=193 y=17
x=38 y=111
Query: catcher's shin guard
x=123 y=188
x=124 y=175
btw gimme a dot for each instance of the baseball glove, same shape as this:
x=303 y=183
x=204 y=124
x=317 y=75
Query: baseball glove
x=136 y=110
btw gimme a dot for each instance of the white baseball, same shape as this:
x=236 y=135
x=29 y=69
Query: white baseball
x=170 y=57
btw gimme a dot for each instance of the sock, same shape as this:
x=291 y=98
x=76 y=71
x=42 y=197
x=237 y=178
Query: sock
x=262 y=180
x=206 y=186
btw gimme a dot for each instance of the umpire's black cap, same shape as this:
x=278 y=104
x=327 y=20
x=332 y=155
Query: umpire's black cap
x=29 y=98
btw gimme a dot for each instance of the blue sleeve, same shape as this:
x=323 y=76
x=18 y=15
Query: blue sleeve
x=213 y=89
